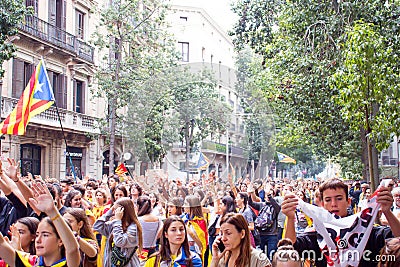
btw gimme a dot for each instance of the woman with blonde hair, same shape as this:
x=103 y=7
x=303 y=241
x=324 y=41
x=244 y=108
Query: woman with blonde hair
x=234 y=241
x=124 y=233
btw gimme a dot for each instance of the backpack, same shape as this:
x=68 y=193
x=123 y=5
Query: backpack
x=264 y=220
x=212 y=230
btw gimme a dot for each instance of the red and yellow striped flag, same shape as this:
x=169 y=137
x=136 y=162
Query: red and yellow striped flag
x=121 y=170
x=36 y=98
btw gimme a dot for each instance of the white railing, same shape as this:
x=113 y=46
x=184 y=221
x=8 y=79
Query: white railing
x=69 y=119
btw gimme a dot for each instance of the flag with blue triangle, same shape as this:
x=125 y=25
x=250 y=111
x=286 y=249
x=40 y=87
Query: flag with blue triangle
x=285 y=158
x=203 y=162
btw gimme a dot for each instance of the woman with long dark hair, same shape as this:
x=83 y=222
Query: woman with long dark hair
x=55 y=243
x=196 y=225
x=74 y=200
x=235 y=237
x=227 y=205
x=151 y=226
x=174 y=246
x=122 y=228
x=23 y=233
x=174 y=206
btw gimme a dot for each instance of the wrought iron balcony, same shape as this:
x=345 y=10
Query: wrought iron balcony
x=69 y=119
x=58 y=37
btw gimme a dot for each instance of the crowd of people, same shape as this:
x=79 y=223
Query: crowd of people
x=119 y=221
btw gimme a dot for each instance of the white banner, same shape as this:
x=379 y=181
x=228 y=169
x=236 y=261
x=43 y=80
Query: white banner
x=342 y=240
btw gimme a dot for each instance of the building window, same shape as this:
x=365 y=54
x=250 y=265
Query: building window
x=76 y=155
x=30 y=159
x=80 y=20
x=184 y=48
x=79 y=96
x=33 y=4
x=22 y=72
x=59 y=84
x=106 y=160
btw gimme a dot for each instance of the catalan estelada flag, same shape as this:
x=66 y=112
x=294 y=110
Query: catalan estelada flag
x=199 y=226
x=36 y=98
x=121 y=169
x=203 y=162
x=285 y=158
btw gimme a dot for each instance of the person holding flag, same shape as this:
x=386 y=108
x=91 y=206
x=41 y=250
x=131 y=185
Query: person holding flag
x=355 y=234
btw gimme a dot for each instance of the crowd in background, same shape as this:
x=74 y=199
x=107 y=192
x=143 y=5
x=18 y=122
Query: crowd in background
x=123 y=221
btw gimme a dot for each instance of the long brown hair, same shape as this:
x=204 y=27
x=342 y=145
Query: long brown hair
x=130 y=217
x=165 y=250
x=390 y=253
x=32 y=224
x=240 y=223
x=80 y=216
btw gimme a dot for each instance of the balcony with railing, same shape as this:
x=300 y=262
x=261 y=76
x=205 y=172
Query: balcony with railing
x=69 y=119
x=58 y=37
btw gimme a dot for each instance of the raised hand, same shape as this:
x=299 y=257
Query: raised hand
x=118 y=212
x=217 y=254
x=12 y=169
x=15 y=238
x=289 y=205
x=42 y=200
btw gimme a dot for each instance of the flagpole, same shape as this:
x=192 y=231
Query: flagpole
x=130 y=174
x=62 y=128
x=65 y=141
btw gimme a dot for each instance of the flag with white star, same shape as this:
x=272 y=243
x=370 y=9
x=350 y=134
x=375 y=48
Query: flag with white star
x=36 y=98
x=203 y=162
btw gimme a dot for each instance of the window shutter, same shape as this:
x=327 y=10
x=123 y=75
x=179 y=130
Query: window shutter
x=65 y=91
x=29 y=68
x=83 y=98
x=64 y=15
x=74 y=95
x=18 y=78
x=60 y=85
x=52 y=12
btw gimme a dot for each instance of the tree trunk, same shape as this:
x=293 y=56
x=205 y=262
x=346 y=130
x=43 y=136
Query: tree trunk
x=114 y=56
x=364 y=156
x=187 y=144
x=112 y=137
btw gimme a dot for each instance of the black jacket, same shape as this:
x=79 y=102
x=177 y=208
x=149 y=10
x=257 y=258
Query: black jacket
x=11 y=209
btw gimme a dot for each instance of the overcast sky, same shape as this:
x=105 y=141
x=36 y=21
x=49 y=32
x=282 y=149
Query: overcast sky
x=219 y=10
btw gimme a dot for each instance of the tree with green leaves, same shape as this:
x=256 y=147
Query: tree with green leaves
x=12 y=13
x=197 y=110
x=300 y=42
x=128 y=36
x=368 y=88
x=257 y=114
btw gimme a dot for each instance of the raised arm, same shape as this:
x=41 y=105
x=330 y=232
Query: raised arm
x=9 y=182
x=44 y=202
x=12 y=172
x=7 y=252
x=233 y=187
